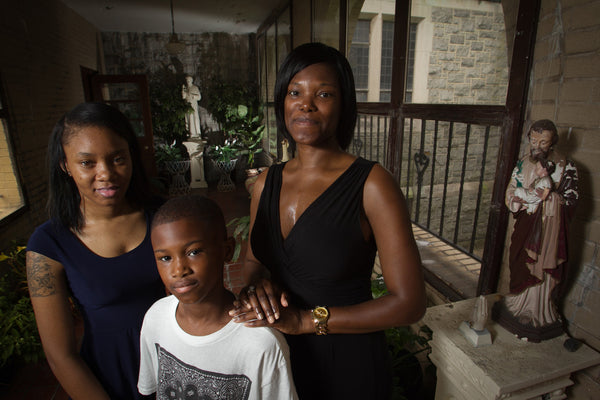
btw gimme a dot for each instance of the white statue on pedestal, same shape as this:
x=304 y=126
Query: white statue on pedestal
x=196 y=152
x=191 y=93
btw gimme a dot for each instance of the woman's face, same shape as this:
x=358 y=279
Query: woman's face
x=313 y=105
x=99 y=162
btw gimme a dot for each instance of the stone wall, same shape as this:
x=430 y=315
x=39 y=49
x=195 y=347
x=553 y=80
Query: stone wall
x=565 y=87
x=44 y=44
x=207 y=56
x=468 y=61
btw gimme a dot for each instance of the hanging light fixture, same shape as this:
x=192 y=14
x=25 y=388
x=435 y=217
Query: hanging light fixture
x=174 y=46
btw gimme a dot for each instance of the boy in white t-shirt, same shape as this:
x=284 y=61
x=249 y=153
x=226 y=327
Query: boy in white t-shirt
x=190 y=348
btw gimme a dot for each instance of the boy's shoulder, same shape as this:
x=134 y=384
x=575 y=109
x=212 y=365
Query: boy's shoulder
x=161 y=306
x=267 y=337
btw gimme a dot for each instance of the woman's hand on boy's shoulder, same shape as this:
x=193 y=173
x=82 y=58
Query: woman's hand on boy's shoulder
x=261 y=300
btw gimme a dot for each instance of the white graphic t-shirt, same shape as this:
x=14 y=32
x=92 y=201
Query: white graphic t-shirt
x=235 y=362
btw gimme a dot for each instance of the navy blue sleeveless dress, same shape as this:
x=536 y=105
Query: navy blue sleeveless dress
x=113 y=295
x=326 y=261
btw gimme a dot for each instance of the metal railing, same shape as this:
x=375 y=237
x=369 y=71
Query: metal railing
x=447 y=172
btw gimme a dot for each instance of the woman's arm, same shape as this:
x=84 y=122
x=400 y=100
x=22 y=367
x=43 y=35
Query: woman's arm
x=49 y=297
x=266 y=301
x=388 y=219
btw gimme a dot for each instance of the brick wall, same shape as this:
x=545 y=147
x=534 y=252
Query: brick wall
x=565 y=87
x=44 y=43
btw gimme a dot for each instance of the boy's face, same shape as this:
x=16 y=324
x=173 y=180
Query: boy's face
x=190 y=256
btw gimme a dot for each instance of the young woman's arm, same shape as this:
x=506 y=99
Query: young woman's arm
x=49 y=297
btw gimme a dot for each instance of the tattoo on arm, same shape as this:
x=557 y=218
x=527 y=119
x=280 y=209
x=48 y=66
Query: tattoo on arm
x=40 y=278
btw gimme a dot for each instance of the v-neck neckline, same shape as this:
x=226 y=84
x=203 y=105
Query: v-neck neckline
x=312 y=205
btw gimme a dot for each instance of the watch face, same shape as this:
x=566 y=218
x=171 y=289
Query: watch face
x=321 y=313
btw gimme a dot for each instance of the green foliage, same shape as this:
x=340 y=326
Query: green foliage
x=222 y=95
x=164 y=153
x=403 y=345
x=237 y=108
x=168 y=107
x=240 y=233
x=246 y=129
x=19 y=338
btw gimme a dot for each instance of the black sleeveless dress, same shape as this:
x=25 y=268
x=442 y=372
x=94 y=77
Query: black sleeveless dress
x=325 y=261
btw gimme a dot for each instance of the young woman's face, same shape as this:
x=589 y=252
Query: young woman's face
x=313 y=105
x=189 y=255
x=99 y=162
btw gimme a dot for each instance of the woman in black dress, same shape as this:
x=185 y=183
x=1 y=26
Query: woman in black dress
x=317 y=222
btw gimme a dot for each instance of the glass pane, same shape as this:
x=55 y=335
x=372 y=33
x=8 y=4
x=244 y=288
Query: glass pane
x=370 y=33
x=284 y=38
x=121 y=91
x=272 y=66
x=460 y=53
x=262 y=67
x=11 y=196
x=326 y=22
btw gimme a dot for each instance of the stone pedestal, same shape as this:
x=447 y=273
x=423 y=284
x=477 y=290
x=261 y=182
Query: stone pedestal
x=195 y=149
x=509 y=368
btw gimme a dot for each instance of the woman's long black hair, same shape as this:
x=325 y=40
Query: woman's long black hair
x=302 y=57
x=63 y=198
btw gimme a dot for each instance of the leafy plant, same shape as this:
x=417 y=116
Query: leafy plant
x=404 y=344
x=247 y=129
x=240 y=233
x=224 y=152
x=168 y=107
x=237 y=109
x=164 y=153
x=19 y=338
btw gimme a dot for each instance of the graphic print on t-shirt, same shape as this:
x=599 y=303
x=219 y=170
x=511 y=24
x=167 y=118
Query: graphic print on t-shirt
x=181 y=381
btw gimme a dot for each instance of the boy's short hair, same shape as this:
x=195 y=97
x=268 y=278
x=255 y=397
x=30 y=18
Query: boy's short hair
x=193 y=207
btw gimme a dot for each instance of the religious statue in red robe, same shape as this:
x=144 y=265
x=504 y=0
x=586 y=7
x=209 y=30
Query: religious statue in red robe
x=538 y=257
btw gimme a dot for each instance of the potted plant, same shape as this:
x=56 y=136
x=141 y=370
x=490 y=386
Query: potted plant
x=19 y=338
x=171 y=159
x=169 y=110
x=224 y=157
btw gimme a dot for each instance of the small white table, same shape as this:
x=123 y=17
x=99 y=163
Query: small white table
x=509 y=368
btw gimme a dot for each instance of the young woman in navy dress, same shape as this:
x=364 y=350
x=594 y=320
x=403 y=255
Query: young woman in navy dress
x=96 y=249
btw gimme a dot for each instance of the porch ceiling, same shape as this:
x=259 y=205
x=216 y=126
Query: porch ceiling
x=191 y=16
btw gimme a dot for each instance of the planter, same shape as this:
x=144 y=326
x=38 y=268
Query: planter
x=225 y=167
x=179 y=185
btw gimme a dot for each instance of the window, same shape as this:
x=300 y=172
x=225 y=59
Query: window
x=410 y=67
x=387 y=50
x=273 y=45
x=359 y=58
x=11 y=195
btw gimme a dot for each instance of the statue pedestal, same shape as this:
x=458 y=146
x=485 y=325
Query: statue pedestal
x=509 y=368
x=195 y=149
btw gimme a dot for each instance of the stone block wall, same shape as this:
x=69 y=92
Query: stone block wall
x=207 y=56
x=468 y=63
x=44 y=44
x=565 y=87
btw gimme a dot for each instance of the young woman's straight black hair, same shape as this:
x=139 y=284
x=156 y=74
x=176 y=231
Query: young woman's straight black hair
x=302 y=57
x=64 y=199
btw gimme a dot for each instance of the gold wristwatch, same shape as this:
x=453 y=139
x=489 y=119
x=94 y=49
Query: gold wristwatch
x=320 y=316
